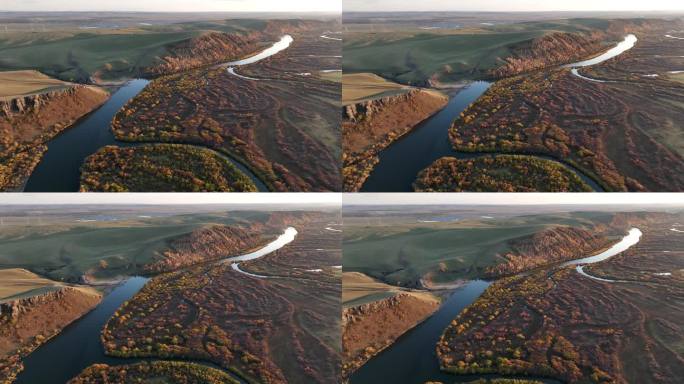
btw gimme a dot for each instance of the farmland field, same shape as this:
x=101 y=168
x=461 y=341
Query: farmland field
x=21 y=83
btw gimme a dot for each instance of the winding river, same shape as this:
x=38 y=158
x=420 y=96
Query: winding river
x=78 y=345
x=412 y=359
x=402 y=160
x=60 y=168
x=625 y=45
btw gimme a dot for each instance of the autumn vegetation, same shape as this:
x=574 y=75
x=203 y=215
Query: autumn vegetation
x=154 y=371
x=595 y=126
x=284 y=328
x=161 y=168
x=27 y=323
x=367 y=329
x=370 y=126
x=498 y=173
x=551 y=246
x=284 y=127
x=28 y=122
x=208 y=243
x=557 y=323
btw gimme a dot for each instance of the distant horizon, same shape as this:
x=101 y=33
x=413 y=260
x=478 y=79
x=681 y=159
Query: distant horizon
x=187 y=12
x=516 y=199
x=176 y=6
x=514 y=6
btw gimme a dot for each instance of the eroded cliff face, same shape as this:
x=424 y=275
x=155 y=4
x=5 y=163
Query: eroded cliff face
x=27 y=323
x=28 y=122
x=550 y=50
x=370 y=126
x=563 y=48
x=216 y=47
x=369 y=328
x=207 y=244
x=550 y=246
x=204 y=50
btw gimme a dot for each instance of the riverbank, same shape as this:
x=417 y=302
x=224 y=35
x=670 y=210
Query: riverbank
x=29 y=123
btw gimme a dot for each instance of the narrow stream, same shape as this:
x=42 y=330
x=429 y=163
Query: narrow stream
x=78 y=345
x=60 y=168
x=412 y=359
x=402 y=160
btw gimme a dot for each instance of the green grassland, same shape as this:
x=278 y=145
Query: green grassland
x=66 y=251
x=401 y=253
x=75 y=55
x=457 y=54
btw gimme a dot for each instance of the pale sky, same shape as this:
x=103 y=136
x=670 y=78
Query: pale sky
x=175 y=5
x=512 y=198
x=512 y=5
x=169 y=198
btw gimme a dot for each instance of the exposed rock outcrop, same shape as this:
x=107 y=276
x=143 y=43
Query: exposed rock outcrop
x=28 y=122
x=369 y=328
x=549 y=50
x=370 y=126
x=27 y=323
x=207 y=244
x=553 y=245
x=217 y=47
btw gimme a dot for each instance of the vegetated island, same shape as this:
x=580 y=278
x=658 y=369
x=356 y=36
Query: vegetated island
x=168 y=371
x=278 y=116
x=270 y=320
x=561 y=324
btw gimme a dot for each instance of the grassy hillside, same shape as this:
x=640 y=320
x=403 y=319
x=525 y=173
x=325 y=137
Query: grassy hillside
x=75 y=54
x=402 y=253
x=455 y=54
x=102 y=249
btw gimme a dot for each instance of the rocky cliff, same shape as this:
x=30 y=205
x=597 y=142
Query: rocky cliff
x=370 y=126
x=27 y=323
x=217 y=47
x=550 y=246
x=27 y=123
x=207 y=244
x=369 y=328
x=549 y=50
